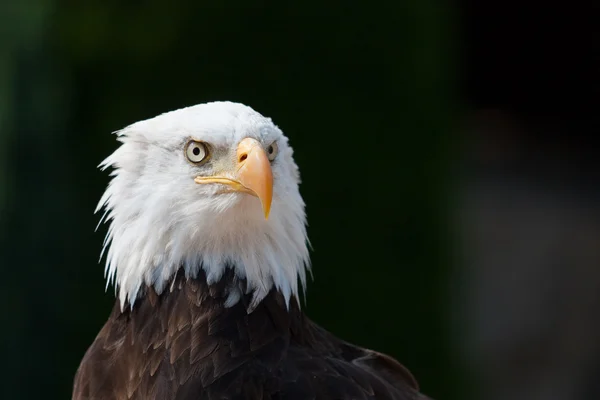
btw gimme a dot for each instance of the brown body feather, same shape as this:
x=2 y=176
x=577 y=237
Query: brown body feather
x=184 y=344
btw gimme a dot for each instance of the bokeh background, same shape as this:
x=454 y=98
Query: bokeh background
x=448 y=159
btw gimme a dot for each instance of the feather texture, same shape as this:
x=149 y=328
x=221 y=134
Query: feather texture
x=184 y=344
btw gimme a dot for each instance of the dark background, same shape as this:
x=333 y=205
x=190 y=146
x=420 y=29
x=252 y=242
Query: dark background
x=447 y=151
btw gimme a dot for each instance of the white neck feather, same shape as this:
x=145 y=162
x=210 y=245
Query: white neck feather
x=148 y=249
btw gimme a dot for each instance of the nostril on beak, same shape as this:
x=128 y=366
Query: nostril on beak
x=243 y=157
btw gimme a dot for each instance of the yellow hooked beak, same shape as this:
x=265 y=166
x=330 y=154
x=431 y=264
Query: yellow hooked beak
x=253 y=173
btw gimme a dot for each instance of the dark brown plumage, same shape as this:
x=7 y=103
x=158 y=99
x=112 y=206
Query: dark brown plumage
x=184 y=344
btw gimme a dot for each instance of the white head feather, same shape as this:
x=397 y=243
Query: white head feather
x=161 y=220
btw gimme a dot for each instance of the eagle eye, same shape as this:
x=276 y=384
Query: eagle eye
x=196 y=152
x=272 y=151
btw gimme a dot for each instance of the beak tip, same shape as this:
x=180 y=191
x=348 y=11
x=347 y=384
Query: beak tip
x=267 y=211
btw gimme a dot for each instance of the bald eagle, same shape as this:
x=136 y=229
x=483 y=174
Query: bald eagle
x=207 y=250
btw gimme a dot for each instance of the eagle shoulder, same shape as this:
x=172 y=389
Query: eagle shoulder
x=332 y=368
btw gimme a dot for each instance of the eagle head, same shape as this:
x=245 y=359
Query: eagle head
x=210 y=187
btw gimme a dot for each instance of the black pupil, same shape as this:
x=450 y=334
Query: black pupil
x=270 y=149
x=196 y=151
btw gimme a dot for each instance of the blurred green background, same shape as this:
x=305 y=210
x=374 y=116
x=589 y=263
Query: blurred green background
x=372 y=96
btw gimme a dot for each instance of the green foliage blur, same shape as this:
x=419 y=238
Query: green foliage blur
x=363 y=90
